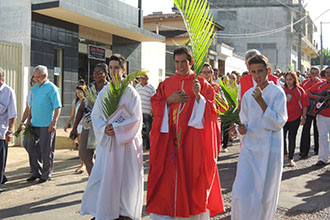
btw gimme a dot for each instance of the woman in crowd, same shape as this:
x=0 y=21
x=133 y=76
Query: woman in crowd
x=297 y=102
x=80 y=96
x=207 y=73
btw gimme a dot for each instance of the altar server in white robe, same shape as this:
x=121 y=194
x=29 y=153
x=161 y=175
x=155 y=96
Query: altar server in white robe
x=115 y=186
x=259 y=169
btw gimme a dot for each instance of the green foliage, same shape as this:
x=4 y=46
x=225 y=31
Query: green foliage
x=27 y=132
x=326 y=58
x=91 y=95
x=116 y=89
x=199 y=24
x=230 y=94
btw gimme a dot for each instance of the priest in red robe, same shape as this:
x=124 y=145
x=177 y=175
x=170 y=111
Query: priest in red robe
x=183 y=177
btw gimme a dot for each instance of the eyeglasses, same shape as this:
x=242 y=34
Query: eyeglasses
x=143 y=78
x=98 y=73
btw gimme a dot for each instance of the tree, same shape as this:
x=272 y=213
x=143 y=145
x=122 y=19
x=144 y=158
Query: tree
x=326 y=58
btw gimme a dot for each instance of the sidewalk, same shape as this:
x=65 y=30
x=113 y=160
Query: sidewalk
x=305 y=189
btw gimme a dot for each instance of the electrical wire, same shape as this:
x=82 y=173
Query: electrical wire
x=259 y=34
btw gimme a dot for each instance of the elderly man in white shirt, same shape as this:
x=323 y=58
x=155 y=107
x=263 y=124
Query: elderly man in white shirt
x=8 y=116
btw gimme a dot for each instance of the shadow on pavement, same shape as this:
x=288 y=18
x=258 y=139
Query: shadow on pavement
x=318 y=196
x=39 y=206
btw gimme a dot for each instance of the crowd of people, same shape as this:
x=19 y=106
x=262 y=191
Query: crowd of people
x=183 y=131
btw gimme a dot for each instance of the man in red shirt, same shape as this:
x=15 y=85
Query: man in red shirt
x=306 y=133
x=323 y=119
x=247 y=82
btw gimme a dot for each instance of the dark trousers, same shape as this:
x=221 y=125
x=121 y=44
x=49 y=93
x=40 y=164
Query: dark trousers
x=147 y=121
x=291 y=128
x=305 y=141
x=3 y=159
x=225 y=135
x=85 y=154
x=42 y=146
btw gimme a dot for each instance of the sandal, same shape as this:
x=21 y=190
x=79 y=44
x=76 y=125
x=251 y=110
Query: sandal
x=292 y=163
x=80 y=170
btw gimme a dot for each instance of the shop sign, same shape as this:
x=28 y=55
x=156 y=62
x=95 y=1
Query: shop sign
x=96 y=53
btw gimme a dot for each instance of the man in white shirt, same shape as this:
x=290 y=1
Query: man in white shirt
x=146 y=91
x=8 y=116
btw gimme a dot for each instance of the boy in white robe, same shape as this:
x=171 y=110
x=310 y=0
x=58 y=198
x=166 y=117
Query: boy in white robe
x=259 y=169
x=115 y=186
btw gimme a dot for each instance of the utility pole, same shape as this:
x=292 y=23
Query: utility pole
x=299 y=36
x=321 y=51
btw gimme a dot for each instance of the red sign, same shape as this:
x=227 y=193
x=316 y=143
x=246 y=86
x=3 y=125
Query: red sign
x=96 y=53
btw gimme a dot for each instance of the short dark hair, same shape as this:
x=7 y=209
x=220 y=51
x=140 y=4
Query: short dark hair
x=119 y=58
x=103 y=66
x=183 y=50
x=259 y=59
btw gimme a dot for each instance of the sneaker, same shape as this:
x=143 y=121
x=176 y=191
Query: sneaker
x=320 y=163
x=292 y=163
x=303 y=157
x=224 y=150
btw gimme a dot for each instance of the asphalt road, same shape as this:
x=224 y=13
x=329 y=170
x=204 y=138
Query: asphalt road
x=305 y=189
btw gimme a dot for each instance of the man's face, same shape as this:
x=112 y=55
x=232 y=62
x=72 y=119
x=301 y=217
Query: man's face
x=99 y=75
x=116 y=71
x=143 y=80
x=259 y=73
x=39 y=78
x=182 y=64
x=327 y=74
x=314 y=73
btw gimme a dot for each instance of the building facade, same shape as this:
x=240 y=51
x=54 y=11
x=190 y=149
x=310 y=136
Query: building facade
x=270 y=26
x=172 y=27
x=70 y=37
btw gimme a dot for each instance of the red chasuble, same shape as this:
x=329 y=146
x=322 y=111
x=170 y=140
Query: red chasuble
x=183 y=176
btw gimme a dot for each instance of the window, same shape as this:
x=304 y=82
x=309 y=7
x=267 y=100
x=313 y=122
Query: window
x=58 y=70
x=227 y=15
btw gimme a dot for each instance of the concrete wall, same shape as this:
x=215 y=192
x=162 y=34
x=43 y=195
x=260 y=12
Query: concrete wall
x=15 y=27
x=131 y=50
x=114 y=9
x=253 y=20
x=153 y=61
x=235 y=63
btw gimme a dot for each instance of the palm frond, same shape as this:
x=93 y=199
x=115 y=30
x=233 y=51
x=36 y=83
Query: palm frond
x=116 y=89
x=200 y=27
x=91 y=95
x=230 y=94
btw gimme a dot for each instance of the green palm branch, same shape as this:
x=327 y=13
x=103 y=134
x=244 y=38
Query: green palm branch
x=116 y=89
x=230 y=94
x=91 y=95
x=199 y=24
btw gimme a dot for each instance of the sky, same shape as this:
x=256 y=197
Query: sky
x=315 y=8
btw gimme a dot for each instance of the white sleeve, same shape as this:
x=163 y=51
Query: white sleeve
x=275 y=116
x=197 y=115
x=164 y=127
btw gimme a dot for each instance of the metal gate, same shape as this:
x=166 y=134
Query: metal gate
x=11 y=63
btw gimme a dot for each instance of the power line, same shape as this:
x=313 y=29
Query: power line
x=293 y=9
x=259 y=34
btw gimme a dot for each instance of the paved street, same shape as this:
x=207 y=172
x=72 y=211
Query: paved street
x=304 y=193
